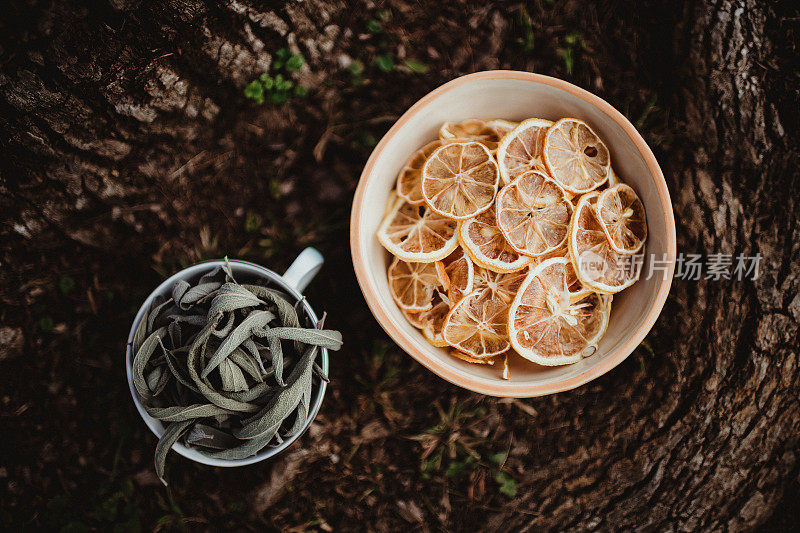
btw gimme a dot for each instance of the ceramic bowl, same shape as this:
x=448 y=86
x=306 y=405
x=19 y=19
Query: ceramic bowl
x=293 y=281
x=516 y=96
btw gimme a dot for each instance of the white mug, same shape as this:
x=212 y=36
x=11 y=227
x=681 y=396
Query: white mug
x=294 y=280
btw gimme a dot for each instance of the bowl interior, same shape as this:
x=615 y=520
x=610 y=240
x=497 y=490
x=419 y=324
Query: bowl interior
x=513 y=98
x=244 y=272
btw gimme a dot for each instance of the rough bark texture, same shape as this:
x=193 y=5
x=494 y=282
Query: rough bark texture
x=129 y=151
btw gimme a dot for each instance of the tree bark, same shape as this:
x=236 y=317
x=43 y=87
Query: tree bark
x=709 y=439
x=126 y=143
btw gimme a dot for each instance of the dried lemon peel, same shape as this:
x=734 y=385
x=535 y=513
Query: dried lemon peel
x=212 y=356
x=575 y=156
x=533 y=213
x=487 y=132
x=459 y=180
x=598 y=266
x=521 y=149
x=417 y=233
x=621 y=215
x=409 y=181
x=485 y=244
x=545 y=326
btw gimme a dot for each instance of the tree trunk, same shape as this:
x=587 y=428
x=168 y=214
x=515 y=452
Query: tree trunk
x=127 y=145
x=707 y=439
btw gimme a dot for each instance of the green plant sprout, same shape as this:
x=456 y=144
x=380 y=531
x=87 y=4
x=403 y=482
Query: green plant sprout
x=277 y=88
x=385 y=60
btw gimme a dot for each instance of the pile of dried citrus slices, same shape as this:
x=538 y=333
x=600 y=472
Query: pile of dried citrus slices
x=512 y=238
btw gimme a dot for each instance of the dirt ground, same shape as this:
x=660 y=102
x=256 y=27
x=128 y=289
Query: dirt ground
x=394 y=446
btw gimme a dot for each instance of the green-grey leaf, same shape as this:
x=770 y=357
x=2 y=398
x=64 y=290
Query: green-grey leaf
x=326 y=338
x=171 y=435
x=178 y=290
x=246 y=362
x=210 y=276
x=232 y=377
x=195 y=294
x=211 y=437
x=249 y=448
x=276 y=352
x=179 y=413
x=256 y=319
x=154 y=314
x=141 y=359
x=226 y=329
x=283 y=403
x=230 y=297
x=196 y=354
x=252 y=348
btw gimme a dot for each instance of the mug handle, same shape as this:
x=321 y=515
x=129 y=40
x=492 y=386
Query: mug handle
x=303 y=269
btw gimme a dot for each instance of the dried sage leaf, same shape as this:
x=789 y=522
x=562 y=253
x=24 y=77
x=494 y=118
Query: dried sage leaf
x=325 y=338
x=232 y=377
x=179 y=413
x=254 y=320
x=211 y=437
x=171 y=435
x=230 y=298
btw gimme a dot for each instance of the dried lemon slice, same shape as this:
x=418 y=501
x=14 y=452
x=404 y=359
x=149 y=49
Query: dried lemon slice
x=598 y=266
x=575 y=156
x=613 y=177
x=459 y=180
x=409 y=181
x=501 y=126
x=621 y=215
x=469 y=359
x=412 y=284
x=431 y=321
x=477 y=326
x=497 y=286
x=487 y=132
x=457 y=275
x=533 y=213
x=545 y=326
x=417 y=234
x=521 y=149
x=485 y=244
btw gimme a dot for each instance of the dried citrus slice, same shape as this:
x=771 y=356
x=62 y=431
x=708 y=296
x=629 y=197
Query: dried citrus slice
x=575 y=156
x=545 y=326
x=501 y=126
x=469 y=359
x=459 y=180
x=409 y=181
x=477 y=326
x=598 y=266
x=412 y=284
x=430 y=322
x=521 y=149
x=621 y=214
x=459 y=275
x=487 y=132
x=486 y=245
x=417 y=233
x=613 y=177
x=533 y=213
x=497 y=286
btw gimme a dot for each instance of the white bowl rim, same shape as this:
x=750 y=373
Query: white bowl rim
x=485 y=385
x=152 y=423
